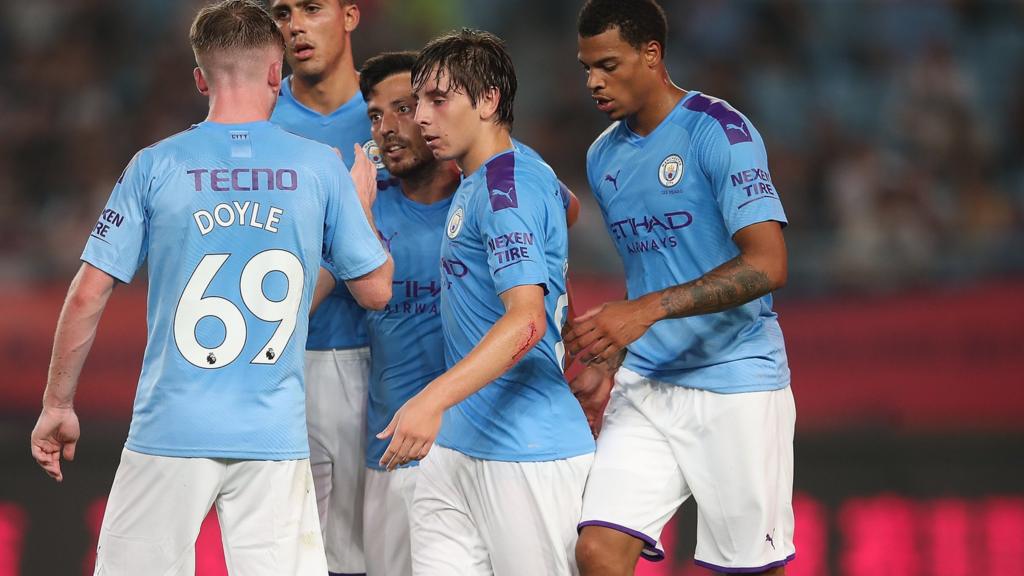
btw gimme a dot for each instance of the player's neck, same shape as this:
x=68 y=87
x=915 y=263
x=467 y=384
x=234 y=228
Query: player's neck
x=657 y=108
x=492 y=140
x=435 y=183
x=329 y=91
x=239 y=106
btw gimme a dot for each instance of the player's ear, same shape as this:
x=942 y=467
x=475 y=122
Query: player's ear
x=201 y=84
x=487 y=104
x=652 y=54
x=351 y=16
x=274 y=75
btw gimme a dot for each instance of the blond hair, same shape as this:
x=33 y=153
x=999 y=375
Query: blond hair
x=232 y=26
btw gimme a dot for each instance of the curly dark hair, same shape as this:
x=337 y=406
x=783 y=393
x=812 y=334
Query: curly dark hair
x=638 y=21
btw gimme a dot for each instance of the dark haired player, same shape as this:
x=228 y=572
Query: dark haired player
x=321 y=100
x=233 y=217
x=406 y=342
x=501 y=492
x=701 y=405
x=405 y=337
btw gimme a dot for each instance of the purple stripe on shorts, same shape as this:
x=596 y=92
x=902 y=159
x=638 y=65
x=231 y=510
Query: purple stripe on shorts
x=650 y=551
x=725 y=570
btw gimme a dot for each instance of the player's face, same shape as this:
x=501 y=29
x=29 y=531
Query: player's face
x=316 y=33
x=392 y=108
x=615 y=73
x=447 y=118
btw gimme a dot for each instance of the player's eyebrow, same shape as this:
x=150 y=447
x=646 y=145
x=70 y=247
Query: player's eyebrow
x=603 y=62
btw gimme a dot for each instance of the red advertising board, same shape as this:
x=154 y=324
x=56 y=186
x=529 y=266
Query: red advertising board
x=919 y=361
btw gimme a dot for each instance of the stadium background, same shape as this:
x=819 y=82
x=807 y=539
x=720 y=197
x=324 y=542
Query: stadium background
x=894 y=134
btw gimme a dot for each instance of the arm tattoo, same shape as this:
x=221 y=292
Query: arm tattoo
x=734 y=283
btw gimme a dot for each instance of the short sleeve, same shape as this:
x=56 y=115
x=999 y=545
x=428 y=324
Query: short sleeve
x=563 y=190
x=740 y=180
x=513 y=227
x=118 y=243
x=564 y=195
x=351 y=249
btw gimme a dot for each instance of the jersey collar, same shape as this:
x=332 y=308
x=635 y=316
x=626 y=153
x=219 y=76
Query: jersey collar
x=637 y=140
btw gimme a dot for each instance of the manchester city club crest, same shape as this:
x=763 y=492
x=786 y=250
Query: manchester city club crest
x=671 y=170
x=455 y=223
x=373 y=152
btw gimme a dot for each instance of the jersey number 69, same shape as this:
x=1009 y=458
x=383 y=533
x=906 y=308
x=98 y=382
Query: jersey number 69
x=193 y=306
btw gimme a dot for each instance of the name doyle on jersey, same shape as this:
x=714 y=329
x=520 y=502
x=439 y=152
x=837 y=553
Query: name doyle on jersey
x=237 y=213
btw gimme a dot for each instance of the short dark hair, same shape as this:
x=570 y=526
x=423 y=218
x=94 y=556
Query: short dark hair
x=475 y=62
x=233 y=25
x=382 y=66
x=638 y=21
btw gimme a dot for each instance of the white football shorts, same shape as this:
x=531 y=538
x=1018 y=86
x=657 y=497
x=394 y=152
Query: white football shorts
x=266 y=509
x=661 y=443
x=480 y=517
x=336 y=388
x=386 y=527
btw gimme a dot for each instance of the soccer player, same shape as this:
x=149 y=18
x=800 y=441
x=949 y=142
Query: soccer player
x=701 y=405
x=405 y=337
x=501 y=492
x=321 y=100
x=228 y=215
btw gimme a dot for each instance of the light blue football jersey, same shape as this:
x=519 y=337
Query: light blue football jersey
x=506 y=228
x=527 y=151
x=672 y=200
x=338 y=322
x=405 y=337
x=234 y=221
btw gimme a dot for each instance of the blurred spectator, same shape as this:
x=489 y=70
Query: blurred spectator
x=893 y=128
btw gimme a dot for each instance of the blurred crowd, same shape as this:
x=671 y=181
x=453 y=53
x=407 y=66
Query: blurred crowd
x=893 y=126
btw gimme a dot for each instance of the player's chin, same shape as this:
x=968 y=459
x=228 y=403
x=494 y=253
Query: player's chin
x=616 y=113
x=441 y=152
x=402 y=167
x=308 y=67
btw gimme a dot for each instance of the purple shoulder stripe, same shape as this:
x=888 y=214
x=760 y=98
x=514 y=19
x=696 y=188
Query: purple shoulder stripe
x=501 y=182
x=731 y=122
x=563 y=190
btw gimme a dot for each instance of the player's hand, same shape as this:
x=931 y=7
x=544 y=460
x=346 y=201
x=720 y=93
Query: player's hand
x=592 y=387
x=55 y=435
x=412 y=431
x=364 y=174
x=603 y=332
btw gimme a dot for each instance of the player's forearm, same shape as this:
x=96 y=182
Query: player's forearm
x=373 y=290
x=732 y=284
x=325 y=284
x=76 y=330
x=504 y=345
